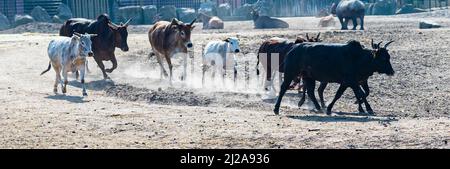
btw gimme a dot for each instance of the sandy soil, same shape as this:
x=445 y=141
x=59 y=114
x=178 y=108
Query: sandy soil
x=138 y=110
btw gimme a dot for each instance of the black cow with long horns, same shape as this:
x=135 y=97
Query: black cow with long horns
x=109 y=37
x=347 y=64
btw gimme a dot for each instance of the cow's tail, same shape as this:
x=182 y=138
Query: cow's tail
x=48 y=68
x=257 y=65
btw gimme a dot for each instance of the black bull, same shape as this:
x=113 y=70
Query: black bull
x=109 y=37
x=346 y=64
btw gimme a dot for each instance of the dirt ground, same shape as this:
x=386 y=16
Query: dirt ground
x=138 y=110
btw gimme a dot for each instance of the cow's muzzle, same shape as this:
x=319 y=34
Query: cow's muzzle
x=90 y=54
x=125 y=49
x=236 y=51
x=189 y=45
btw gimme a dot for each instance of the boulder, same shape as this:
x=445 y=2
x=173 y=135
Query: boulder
x=369 y=8
x=208 y=8
x=131 y=12
x=168 y=12
x=244 y=11
x=22 y=20
x=4 y=22
x=64 y=12
x=56 y=19
x=148 y=13
x=409 y=8
x=39 y=14
x=384 y=7
x=186 y=15
x=224 y=10
x=428 y=25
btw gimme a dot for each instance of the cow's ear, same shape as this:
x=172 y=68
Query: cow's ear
x=192 y=27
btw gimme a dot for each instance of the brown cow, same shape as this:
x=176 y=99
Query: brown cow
x=168 y=39
x=269 y=50
x=210 y=22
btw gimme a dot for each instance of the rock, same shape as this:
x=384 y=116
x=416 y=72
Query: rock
x=224 y=10
x=4 y=22
x=384 y=7
x=428 y=25
x=22 y=20
x=409 y=8
x=56 y=19
x=64 y=12
x=244 y=11
x=168 y=12
x=369 y=8
x=148 y=13
x=40 y=14
x=186 y=15
x=208 y=8
x=264 y=7
x=131 y=12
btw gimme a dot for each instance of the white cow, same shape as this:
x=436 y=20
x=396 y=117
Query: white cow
x=69 y=54
x=217 y=54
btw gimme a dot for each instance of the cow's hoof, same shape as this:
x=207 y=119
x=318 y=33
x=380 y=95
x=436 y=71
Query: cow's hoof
x=109 y=70
x=370 y=112
x=276 y=111
x=182 y=78
x=328 y=112
x=361 y=110
x=85 y=94
x=106 y=77
x=55 y=91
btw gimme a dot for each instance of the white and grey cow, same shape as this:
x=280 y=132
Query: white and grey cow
x=217 y=54
x=69 y=54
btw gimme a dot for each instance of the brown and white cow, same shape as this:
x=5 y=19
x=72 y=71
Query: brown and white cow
x=68 y=54
x=169 y=39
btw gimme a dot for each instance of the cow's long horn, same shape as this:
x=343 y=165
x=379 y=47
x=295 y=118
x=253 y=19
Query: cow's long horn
x=371 y=42
x=112 y=25
x=193 y=21
x=387 y=44
x=379 y=44
x=128 y=22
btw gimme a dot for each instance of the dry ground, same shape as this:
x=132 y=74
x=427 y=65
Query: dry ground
x=137 y=110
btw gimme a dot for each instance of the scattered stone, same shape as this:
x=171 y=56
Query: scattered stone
x=428 y=25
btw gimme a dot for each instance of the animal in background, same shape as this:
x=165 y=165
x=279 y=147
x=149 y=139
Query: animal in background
x=109 y=37
x=210 y=22
x=169 y=39
x=347 y=10
x=266 y=22
x=67 y=54
x=327 y=21
x=217 y=54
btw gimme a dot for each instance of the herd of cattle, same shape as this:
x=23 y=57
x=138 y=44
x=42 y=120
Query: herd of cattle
x=306 y=60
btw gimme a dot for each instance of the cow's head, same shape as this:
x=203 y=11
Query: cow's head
x=120 y=35
x=313 y=39
x=382 y=58
x=183 y=32
x=255 y=14
x=234 y=44
x=84 y=43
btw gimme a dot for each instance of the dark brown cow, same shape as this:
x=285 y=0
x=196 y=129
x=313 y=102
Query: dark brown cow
x=281 y=47
x=168 y=39
x=210 y=22
x=109 y=37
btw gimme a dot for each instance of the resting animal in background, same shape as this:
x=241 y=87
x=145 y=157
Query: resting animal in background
x=266 y=22
x=217 y=54
x=347 y=64
x=67 y=54
x=327 y=21
x=169 y=39
x=269 y=50
x=109 y=37
x=210 y=22
x=349 y=10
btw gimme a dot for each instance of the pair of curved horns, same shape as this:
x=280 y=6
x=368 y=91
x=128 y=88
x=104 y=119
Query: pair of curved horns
x=124 y=25
x=377 y=46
